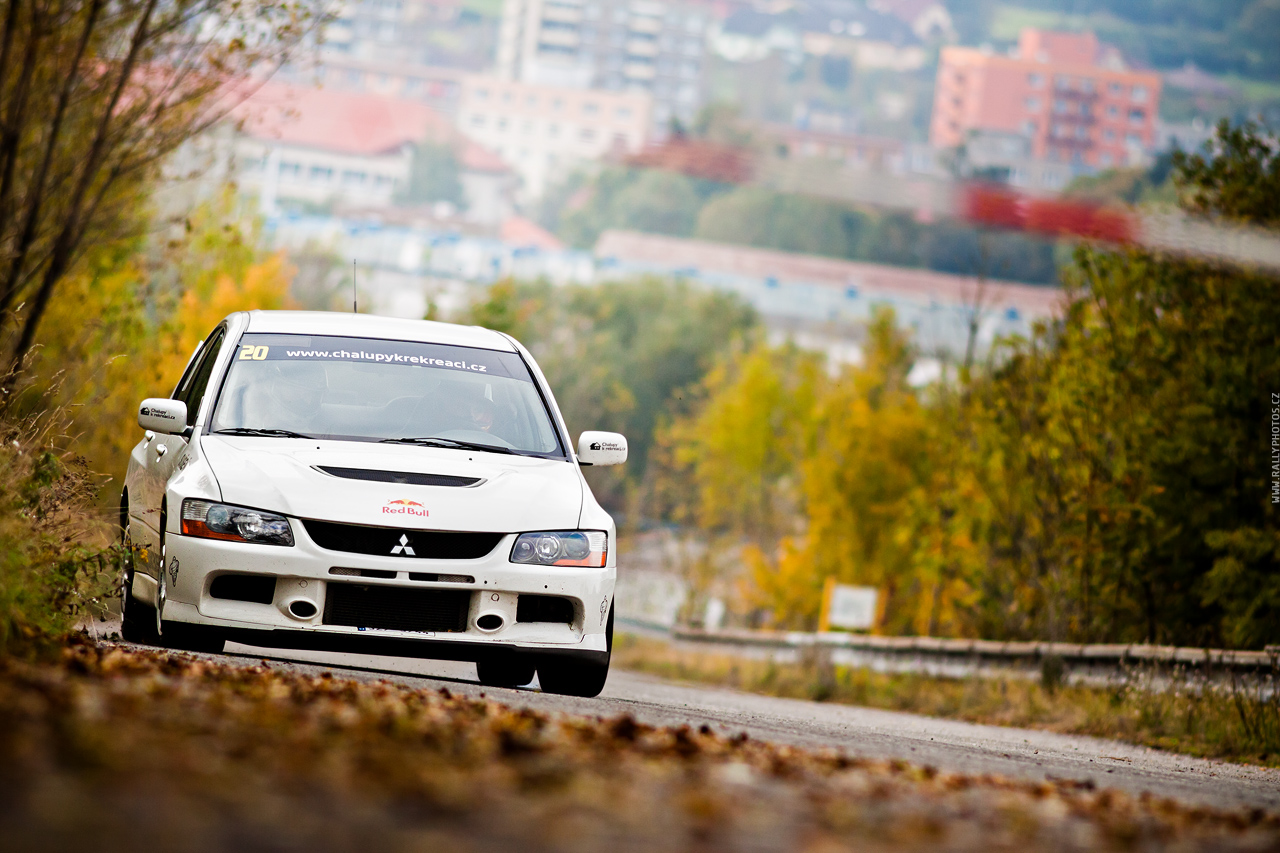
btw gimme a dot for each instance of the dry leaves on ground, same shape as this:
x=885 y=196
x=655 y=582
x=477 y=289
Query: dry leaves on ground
x=121 y=749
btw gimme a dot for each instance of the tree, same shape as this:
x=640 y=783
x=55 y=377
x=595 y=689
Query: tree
x=1108 y=479
x=127 y=320
x=639 y=199
x=94 y=96
x=1238 y=177
x=736 y=454
x=759 y=217
x=618 y=356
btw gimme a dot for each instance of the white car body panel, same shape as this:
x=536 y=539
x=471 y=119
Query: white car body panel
x=515 y=494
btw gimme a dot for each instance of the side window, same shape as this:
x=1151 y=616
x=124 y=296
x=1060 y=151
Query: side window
x=198 y=380
x=193 y=366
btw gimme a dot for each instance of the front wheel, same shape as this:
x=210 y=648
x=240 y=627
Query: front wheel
x=137 y=619
x=570 y=677
x=191 y=638
x=508 y=671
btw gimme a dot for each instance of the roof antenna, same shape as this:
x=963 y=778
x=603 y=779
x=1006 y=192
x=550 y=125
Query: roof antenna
x=354 y=310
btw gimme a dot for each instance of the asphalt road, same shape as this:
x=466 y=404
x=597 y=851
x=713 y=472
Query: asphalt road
x=946 y=744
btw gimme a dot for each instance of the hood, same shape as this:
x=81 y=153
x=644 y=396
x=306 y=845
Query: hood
x=517 y=493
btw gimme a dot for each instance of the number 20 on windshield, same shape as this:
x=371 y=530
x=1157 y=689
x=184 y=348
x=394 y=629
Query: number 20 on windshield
x=252 y=353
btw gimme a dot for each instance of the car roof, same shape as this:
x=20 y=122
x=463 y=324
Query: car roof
x=337 y=324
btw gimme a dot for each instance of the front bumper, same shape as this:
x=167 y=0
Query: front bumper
x=303 y=572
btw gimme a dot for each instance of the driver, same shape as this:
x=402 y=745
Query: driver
x=288 y=397
x=482 y=411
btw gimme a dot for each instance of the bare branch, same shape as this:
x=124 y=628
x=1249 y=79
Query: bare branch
x=66 y=241
x=116 y=86
x=37 y=193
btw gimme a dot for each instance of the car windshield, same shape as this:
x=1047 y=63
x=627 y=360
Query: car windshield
x=365 y=389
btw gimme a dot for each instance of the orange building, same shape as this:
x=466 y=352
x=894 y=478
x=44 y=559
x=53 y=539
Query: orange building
x=1070 y=99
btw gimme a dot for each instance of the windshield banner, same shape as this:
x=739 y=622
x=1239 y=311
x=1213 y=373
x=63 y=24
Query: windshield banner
x=372 y=351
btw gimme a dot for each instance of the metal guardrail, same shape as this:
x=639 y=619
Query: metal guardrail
x=1158 y=667
x=1115 y=654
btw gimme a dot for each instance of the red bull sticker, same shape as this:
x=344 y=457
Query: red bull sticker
x=405 y=507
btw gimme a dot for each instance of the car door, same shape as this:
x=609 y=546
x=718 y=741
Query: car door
x=144 y=485
x=165 y=451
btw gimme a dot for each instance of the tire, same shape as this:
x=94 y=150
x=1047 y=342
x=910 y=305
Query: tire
x=192 y=638
x=180 y=635
x=506 y=671
x=570 y=677
x=137 y=619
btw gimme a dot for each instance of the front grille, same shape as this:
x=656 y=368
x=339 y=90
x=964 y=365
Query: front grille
x=398 y=542
x=404 y=477
x=543 y=608
x=434 y=578
x=259 y=589
x=395 y=608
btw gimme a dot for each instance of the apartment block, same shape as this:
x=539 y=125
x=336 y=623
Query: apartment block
x=616 y=45
x=543 y=131
x=1067 y=97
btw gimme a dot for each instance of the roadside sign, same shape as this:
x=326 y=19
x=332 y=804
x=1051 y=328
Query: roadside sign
x=848 y=606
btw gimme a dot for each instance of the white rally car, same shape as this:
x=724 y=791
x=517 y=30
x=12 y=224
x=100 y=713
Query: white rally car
x=356 y=483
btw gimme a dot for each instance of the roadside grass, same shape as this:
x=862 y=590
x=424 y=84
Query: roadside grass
x=112 y=748
x=57 y=560
x=1234 y=725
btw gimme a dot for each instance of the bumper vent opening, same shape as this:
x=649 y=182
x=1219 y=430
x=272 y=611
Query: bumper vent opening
x=385 y=574
x=401 y=542
x=427 y=577
x=259 y=589
x=544 y=608
x=395 y=608
x=407 y=478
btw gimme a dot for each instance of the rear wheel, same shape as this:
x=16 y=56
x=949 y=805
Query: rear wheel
x=508 y=671
x=570 y=677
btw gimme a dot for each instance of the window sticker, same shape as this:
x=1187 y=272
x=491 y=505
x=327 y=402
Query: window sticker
x=375 y=351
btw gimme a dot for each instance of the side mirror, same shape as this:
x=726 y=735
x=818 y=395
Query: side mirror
x=160 y=414
x=601 y=448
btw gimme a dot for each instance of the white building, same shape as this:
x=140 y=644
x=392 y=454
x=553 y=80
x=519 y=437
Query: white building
x=618 y=45
x=543 y=132
x=316 y=146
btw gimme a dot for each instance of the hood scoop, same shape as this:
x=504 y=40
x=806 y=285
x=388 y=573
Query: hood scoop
x=402 y=477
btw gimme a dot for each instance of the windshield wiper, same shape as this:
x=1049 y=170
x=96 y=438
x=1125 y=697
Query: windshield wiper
x=453 y=443
x=270 y=433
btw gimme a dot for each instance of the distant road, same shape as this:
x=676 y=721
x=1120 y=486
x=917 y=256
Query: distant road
x=946 y=744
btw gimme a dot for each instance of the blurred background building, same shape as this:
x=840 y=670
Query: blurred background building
x=1056 y=97
x=446 y=143
x=637 y=46
x=545 y=131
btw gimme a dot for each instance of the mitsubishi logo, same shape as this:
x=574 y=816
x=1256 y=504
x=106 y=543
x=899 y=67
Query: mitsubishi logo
x=403 y=547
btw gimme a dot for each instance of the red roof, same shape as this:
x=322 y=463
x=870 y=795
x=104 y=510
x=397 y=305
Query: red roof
x=477 y=158
x=518 y=231
x=349 y=122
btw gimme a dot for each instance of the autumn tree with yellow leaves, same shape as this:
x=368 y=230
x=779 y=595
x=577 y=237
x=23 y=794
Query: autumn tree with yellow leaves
x=127 y=321
x=1108 y=479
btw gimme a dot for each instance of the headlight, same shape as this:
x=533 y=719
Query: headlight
x=567 y=548
x=209 y=520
